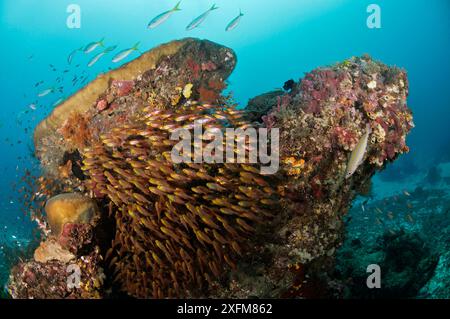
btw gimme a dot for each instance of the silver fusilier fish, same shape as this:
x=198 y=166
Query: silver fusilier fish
x=58 y=102
x=123 y=54
x=95 y=59
x=235 y=22
x=72 y=54
x=98 y=56
x=358 y=153
x=199 y=20
x=93 y=45
x=161 y=18
x=46 y=92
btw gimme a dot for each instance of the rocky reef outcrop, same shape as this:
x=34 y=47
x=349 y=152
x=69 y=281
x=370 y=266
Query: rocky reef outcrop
x=321 y=121
x=213 y=229
x=67 y=264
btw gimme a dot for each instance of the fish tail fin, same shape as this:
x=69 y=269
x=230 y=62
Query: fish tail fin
x=240 y=12
x=177 y=7
x=214 y=7
x=102 y=42
x=136 y=46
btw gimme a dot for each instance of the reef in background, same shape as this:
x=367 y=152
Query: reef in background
x=406 y=261
x=213 y=230
x=408 y=235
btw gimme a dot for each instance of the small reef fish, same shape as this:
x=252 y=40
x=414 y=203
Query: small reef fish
x=93 y=45
x=161 y=18
x=46 y=92
x=32 y=106
x=235 y=22
x=199 y=20
x=358 y=153
x=123 y=54
x=72 y=54
x=58 y=102
x=406 y=193
x=98 y=56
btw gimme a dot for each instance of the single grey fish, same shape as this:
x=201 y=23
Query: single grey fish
x=358 y=153
x=161 y=18
x=46 y=92
x=199 y=20
x=93 y=45
x=98 y=56
x=59 y=101
x=72 y=54
x=235 y=22
x=123 y=54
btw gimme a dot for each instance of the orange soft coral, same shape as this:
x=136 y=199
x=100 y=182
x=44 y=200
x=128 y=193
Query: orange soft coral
x=76 y=131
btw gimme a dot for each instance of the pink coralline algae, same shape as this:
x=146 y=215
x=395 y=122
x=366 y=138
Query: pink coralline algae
x=122 y=88
x=194 y=67
x=75 y=236
x=102 y=105
x=270 y=119
x=345 y=138
x=208 y=66
x=354 y=93
x=320 y=85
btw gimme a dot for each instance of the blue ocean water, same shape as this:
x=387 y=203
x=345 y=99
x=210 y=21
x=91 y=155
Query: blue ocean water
x=275 y=41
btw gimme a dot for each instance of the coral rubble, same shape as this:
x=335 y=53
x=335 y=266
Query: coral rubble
x=209 y=229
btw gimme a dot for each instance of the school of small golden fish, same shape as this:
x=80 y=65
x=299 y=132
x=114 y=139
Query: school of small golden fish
x=179 y=226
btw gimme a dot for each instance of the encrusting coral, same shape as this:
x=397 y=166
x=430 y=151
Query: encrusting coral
x=179 y=228
x=321 y=120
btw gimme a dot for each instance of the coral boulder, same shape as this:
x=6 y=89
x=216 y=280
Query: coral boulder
x=69 y=208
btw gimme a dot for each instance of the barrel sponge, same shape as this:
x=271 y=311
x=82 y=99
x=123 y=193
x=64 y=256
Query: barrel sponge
x=87 y=96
